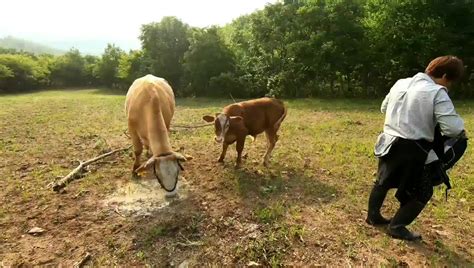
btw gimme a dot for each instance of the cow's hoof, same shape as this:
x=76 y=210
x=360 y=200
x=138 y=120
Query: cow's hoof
x=266 y=162
x=220 y=160
x=135 y=175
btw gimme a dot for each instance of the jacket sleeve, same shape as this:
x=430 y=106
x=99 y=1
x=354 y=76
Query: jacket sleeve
x=383 y=108
x=449 y=121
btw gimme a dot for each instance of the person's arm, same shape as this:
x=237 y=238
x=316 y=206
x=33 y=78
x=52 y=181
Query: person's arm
x=450 y=122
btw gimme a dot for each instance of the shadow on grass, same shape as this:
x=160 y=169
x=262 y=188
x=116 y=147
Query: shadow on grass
x=336 y=104
x=439 y=253
x=85 y=90
x=168 y=236
x=292 y=187
x=45 y=90
x=109 y=91
x=273 y=199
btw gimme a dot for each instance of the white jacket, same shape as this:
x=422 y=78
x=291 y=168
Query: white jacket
x=415 y=105
x=412 y=109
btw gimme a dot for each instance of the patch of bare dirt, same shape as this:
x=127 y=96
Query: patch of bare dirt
x=143 y=197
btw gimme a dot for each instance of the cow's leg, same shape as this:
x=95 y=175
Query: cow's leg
x=240 y=148
x=272 y=138
x=148 y=152
x=137 y=151
x=224 y=151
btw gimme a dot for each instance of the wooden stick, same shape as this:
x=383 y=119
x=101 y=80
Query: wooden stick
x=75 y=173
x=125 y=132
x=81 y=263
x=190 y=244
x=173 y=129
x=195 y=126
x=189 y=127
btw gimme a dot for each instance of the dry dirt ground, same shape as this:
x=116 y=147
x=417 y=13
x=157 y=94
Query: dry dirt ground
x=306 y=209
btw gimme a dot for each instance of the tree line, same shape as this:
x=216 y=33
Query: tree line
x=293 y=48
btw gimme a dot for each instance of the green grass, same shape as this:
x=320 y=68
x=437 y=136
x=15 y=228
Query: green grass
x=270 y=248
x=309 y=205
x=155 y=233
x=271 y=213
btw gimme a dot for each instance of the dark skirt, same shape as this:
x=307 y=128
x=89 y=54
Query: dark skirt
x=403 y=167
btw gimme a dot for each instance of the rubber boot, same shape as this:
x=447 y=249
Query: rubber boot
x=405 y=215
x=377 y=196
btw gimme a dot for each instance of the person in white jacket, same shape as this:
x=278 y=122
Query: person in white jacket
x=413 y=108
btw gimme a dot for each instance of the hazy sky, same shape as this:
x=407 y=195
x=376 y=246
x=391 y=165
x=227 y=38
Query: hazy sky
x=117 y=20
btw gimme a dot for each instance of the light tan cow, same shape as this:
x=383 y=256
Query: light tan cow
x=150 y=107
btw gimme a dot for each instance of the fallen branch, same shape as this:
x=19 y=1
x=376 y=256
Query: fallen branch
x=190 y=244
x=77 y=172
x=173 y=129
x=116 y=210
x=81 y=263
x=195 y=126
x=125 y=132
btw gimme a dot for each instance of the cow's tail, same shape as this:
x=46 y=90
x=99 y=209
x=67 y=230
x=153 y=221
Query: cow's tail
x=278 y=123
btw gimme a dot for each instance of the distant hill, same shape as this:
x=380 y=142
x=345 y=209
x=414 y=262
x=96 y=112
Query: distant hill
x=92 y=46
x=58 y=47
x=28 y=46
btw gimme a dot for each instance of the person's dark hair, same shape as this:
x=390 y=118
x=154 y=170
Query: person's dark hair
x=452 y=66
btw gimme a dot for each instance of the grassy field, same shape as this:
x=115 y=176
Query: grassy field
x=307 y=208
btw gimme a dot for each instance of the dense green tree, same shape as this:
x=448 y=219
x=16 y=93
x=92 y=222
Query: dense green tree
x=328 y=46
x=45 y=61
x=164 y=44
x=107 y=68
x=5 y=72
x=20 y=72
x=8 y=51
x=131 y=67
x=206 y=58
x=90 y=70
x=292 y=48
x=402 y=36
x=68 y=69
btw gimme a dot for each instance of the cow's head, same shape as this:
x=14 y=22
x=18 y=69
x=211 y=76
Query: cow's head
x=222 y=124
x=165 y=168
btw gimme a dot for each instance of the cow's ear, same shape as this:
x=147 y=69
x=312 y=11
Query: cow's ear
x=236 y=119
x=208 y=118
x=146 y=165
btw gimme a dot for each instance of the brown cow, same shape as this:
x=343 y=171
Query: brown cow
x=150 y=107
x=250 y=117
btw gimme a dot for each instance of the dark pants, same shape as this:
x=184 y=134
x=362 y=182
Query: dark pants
x=449 y=151
x=402 y=168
